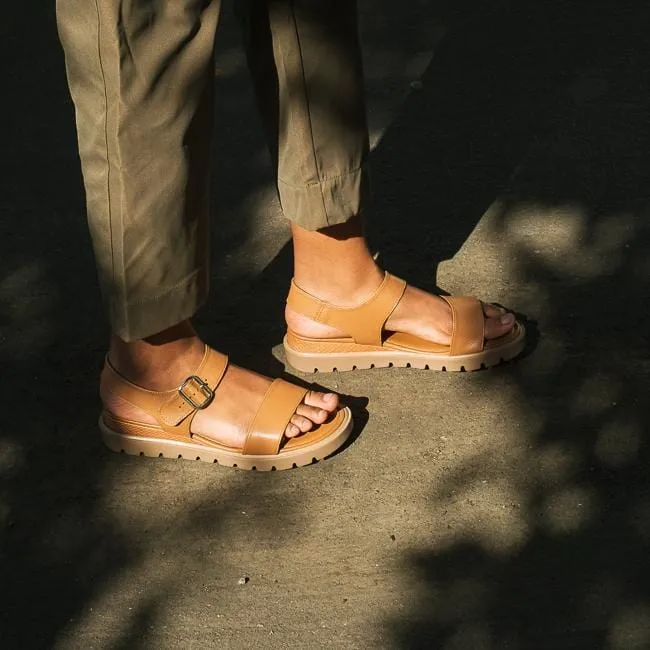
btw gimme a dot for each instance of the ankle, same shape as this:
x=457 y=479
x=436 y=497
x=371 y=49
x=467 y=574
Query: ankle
x=335 y=264
x=158 y=362
x=342 y=287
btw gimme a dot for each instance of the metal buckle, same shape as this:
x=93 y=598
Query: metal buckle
x=203 y=388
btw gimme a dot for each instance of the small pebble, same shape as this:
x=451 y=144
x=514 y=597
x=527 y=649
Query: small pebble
x=243 y=580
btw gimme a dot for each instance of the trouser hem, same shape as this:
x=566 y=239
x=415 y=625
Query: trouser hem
x=148 y=316
x=328 y=202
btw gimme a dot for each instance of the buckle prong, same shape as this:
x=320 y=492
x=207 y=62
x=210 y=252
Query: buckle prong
x=203 y=389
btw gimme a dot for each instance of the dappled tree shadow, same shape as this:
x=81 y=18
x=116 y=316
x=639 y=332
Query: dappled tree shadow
x=65 y=547
x=539 y=112
x=535 y=113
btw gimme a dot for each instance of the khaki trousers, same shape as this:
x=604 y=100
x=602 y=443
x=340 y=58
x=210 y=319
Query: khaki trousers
x=141 y=77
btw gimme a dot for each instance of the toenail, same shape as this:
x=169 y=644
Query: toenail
x=507 y=319
x=329 y=397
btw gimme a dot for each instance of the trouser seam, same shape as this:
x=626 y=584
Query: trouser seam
x=109 y=201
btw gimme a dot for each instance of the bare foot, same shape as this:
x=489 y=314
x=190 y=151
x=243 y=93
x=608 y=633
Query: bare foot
x=237 y=398
x=335 y=265
x=419 y=313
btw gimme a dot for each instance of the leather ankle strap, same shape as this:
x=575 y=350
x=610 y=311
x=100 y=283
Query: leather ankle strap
x=172 y=409
x=363 y=323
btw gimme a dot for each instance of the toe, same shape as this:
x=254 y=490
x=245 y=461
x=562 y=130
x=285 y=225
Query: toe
x=326 y=401
x=498 y=324
x=315 y=409
x=303 y=423
x=292 y=430
x=315 y=414
x=493 y=311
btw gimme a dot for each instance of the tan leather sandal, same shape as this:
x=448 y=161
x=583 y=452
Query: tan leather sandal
x=265 y=448
x=369 y=345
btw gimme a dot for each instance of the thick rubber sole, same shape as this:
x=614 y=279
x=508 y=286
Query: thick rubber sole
x=161 y=448
x=345 y=361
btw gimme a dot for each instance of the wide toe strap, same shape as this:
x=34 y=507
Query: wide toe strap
x=468 y=331
x=266 y=431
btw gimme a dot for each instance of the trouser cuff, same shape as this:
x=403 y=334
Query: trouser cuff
x=328 y=202
x=139 y=319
